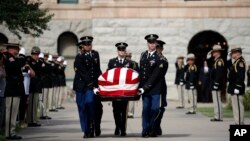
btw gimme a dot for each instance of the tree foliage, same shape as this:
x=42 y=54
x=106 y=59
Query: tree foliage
x=24 y=16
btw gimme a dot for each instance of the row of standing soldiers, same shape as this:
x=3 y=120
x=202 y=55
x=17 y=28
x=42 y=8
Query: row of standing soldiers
x=234 y=67
x=152 y=69
x=33 y=83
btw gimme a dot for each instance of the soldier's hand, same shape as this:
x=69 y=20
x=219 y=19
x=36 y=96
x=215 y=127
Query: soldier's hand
x=191 y=87
x=140 y=91
x=209 y=55
x=215 y=87
x=50 y=58
x=22 y=51
x=236 y=91
x=96 y=91
x=181 y=83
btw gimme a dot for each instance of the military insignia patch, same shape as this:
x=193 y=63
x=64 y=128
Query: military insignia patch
x=219 y=63
x=241 y=64
x=161 y=66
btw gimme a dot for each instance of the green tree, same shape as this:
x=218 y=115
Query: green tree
x=24 y=16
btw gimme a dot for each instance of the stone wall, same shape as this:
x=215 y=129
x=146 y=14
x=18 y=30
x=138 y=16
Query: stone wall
x=175 y=32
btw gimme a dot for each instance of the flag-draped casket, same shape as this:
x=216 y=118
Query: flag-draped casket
x=119 y=84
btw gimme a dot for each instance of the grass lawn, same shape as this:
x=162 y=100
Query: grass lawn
x=209 y=111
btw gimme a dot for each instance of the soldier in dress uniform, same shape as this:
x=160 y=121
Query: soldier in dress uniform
x=236 y=87
x=163 y=103
x=46 y=83
x=131 y=104
x=217 y=81
x=87 y=71
x=180 y=80
x=150 y=86
x=120 y=107
x=55 y=82
x=14 y=87
x=35 y=87
x=191 y=80
x=62 y=82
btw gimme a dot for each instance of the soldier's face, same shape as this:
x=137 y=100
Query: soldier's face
x=235 y=54
x=13 y=51
x=216 y=53
x=87 y=47
x=180 y=60
x=151 y=45
x=35 y=56
x=191 y=61
x=122 y=53
x=159 y=50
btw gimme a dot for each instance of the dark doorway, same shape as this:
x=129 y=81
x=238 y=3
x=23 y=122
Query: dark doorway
x=67 y=48
x=3 y=39
x=200 y=44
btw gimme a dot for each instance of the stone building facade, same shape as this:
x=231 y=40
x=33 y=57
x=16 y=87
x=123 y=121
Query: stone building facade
x=112 y=21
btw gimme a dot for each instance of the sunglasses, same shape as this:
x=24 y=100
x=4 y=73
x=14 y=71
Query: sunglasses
x=121 y=49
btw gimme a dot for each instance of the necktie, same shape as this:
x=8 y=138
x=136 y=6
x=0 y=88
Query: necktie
x=120 y=61
x=148 y=55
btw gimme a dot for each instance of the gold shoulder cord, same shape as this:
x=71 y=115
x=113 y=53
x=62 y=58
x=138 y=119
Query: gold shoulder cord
x=235 y=65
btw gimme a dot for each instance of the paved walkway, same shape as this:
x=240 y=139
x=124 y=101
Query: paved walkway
x=176 y=127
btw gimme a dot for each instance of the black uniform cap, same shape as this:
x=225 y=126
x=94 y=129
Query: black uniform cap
x=151 y=37
x=160 y=43
x=86 y=39
x=121 y=45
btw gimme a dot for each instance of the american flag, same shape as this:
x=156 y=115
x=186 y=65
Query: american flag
x=119 y=82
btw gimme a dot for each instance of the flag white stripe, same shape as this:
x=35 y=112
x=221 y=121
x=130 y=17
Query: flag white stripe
x=117 y=87
x=110 y=77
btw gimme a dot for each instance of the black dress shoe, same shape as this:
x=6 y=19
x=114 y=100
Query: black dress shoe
x=159 y=132
x=152 y=134
x=97 y=132
x=34 y=125
x=53 y=110
x=190 y=113
x=14 y=137
x=123 y=134
x=117 y=131
x=60 y=108
x=45 y=117
x=179 y=107
x=86 y=135
x=215 y=119
x=144 y=134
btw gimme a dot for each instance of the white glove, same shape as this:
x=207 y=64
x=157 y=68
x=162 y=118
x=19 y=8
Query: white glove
x=215 y=87
x=22 y=51
x=50 y=58
x=229 y=56
x=96 y=91
x=59 y=59
x=181 y=83
x=65 y=63
x=209 y=55
x=41 y=55
x=140 y=91
x=191 y=87
x=236 y=91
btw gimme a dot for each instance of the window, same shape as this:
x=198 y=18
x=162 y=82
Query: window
x=67 y=1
